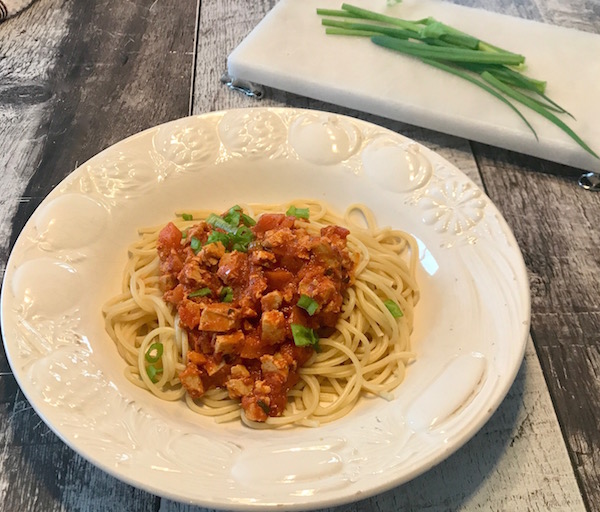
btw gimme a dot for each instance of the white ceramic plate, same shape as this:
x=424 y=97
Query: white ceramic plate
x=471 y=324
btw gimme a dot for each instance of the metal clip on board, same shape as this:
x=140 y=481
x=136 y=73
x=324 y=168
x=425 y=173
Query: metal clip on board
x=590 y=181
x=248 y=88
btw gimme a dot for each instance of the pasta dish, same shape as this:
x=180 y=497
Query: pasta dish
x=275 y=314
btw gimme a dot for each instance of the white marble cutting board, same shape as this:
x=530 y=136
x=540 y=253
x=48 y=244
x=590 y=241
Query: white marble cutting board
x=289 y=50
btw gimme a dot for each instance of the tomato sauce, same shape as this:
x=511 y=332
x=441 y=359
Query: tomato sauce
x=239 y=300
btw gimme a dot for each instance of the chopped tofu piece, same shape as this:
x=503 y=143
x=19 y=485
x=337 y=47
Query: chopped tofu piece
x=262 y=388
x=196 y=357
x=263 y=258
x=275 y=364
x=193 y=275
x=278 y=237
x=219 y=318
x=190 y=313
x=190 y=273
x=238 y=387
x=229 y=343
x=211 y=253
x=191 y=380
x=240 y=384
x=273 y=326
x=271 y=301
x=318 y=287
x=233 y=267
x=239 y=371
x=213 y=367
x=255 y=412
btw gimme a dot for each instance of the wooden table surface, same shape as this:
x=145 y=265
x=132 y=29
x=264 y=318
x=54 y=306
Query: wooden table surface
x=79 y=75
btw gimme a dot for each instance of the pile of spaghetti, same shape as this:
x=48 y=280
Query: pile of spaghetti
x=277 y=318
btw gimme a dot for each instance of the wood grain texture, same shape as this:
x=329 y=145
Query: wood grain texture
x=76 y=76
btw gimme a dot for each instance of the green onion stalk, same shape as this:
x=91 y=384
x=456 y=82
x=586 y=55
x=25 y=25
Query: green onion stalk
x=489 y=67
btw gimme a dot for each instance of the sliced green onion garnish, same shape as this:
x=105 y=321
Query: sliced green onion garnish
x=187 y=216
x=195 y=244
x=244 y=232
x=153 y=372
x=202 y=292
x=236 y=241
x=393 y=308
x=154 y=352
x=247 y=220
x=219 y=222
x=226 y=294
x=299 y=213
x=236 y=237
x=184 y=234
x=241 y=239
x=232 y=217
x=243 y=235
x=217 y=236
x=304 y=336
x=308 y=304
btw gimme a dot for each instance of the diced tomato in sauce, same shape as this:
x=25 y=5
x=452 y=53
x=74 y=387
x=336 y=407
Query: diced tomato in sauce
x=268 y=221
x=169 y=239
x=246 y=345
x=278 y=279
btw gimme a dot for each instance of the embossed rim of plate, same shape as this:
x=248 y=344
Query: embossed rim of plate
x=461 y=234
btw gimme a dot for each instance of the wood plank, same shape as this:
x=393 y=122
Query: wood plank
x=76 y=77
x=581 y=375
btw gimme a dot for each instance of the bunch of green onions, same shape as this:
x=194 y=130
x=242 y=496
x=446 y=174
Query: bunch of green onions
x=491 y=68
